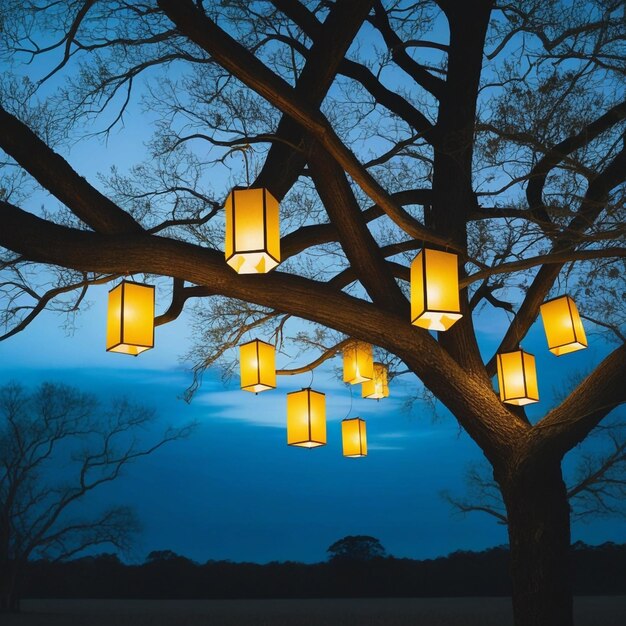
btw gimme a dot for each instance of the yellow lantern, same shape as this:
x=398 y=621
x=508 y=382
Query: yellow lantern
x=257 y=366
x=563 y=326
x=252 y=231
x=354 y=437
x=435 y=301
x=130 y=318
x=517 y=378
x=377 y=387
x=358 y=363
x=306 y=418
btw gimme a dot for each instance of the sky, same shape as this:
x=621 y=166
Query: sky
x=234 y=489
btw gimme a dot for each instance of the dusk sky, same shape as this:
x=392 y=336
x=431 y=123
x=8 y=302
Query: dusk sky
x=234 y=489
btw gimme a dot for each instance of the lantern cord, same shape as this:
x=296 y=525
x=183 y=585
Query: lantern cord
x=312 y=376
x=350 y=409
x=243 y=150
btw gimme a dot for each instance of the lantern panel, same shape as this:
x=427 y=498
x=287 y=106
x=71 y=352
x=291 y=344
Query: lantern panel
x=130 y=318
x=358 y=363
x=377 y=387
x=517 y=378
x=563 y=326
x=257 y=366
x=435 y=303
x=252 y=231
x=354 y=437
x=306 y=418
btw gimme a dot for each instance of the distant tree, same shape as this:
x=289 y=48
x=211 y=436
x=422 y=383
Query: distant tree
x=157 y=556
x=356 y=548
x=57 y=445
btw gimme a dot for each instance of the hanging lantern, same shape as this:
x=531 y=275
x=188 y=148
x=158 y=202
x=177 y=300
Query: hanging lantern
x=354 y=437
x=563 y=326
x=306 y=418
x=252 y=231
x=517 y=378
x=130 y=318
x=435 y=301
x=257 y=366
x=377 y=387
x=358 y=362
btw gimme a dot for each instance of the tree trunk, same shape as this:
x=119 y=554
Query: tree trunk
x=9 y=593
x=539 y=536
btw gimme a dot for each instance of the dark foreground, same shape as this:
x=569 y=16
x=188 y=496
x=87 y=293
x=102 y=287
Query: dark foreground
x=590 y=611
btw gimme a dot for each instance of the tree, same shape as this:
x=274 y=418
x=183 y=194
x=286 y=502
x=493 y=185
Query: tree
x=356 y=548
x=57 y=446
x=492 y=130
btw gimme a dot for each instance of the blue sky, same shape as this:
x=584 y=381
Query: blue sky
x=234 y=489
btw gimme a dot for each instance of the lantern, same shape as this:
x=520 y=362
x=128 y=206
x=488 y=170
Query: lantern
x=306 y=418
x=517 y=378
x=358 y=363
x=563 y=326
x=377 y=387
x=354 y=437
x=252 y=231
x=435 y=301
x=257 y=365
x=130 y=318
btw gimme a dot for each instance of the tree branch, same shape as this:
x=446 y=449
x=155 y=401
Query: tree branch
x=54 y=173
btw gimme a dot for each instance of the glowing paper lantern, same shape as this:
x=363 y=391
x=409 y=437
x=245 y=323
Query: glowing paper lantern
x=130 y=318
x=377 y=387
x=517 y=377
x=257 y=365
x=306 y=418
x=435 y=301
x=354 y=437
x=563 y=326
x=252 y=231
x=358 y=363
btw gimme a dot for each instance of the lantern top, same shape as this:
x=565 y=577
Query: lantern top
x=126 y=281
x=247 y=343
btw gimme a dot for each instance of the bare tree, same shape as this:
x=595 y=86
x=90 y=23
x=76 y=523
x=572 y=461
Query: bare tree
x=492 y=130
x=57 y=445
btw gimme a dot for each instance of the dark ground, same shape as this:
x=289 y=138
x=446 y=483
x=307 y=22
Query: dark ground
x=590 y=611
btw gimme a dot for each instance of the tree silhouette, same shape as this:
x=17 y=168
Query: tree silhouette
x=56 y=447
x=356 y=548
x=494 y=131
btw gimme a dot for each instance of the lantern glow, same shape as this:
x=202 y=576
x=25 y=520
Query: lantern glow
x=563 y=326
x=130 y=318
x=252 y=231
x=257 y=366
x=354 y=437
x=378 y=387
x=435 y=303
x=306 y=418
x=358 y=362
x=517 y=378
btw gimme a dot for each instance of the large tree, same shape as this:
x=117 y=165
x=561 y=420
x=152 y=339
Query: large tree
x=490 y=129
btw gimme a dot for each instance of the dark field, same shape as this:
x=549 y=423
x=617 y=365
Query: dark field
x=590 y=611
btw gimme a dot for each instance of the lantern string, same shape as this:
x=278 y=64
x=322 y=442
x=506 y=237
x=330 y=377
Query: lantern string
x=350 y=409
x=312 y=376
x=243 y=150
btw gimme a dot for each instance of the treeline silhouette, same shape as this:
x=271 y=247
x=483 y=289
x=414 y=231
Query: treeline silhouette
x=597 y=570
